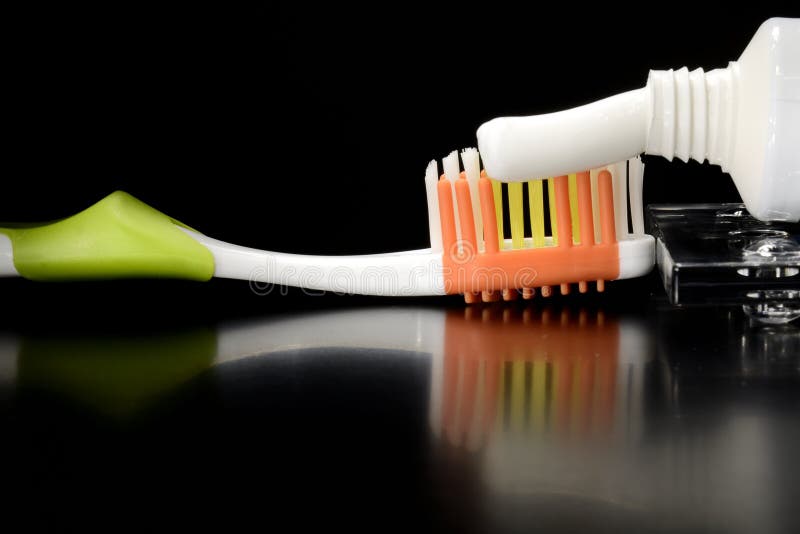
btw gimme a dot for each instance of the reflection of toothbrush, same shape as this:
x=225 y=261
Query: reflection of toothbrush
x=575 y=237
x=745 y=117
x=551 y=371
x=537 y=373
x=128 y=373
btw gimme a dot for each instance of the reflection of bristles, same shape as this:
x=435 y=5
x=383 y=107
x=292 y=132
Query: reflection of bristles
x=471 y=313
x=527 y=371
x=527 y=316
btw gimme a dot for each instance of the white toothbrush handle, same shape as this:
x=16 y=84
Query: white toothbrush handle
x=7 y=257
x=414 y=273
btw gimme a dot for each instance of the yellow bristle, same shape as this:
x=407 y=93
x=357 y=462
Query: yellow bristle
x=573 y=208
x=517 y=394
x=559 y=404
x=536 y=204
x=497 y=190
x=538 y=394
x=551 y=194
x=516 y=215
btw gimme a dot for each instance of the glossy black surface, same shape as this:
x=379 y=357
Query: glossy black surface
x=586 y=413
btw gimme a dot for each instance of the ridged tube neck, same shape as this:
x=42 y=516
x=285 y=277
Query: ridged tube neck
x=693 y=114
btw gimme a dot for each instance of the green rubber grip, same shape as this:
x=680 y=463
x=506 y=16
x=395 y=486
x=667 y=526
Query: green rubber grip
x=119 y=237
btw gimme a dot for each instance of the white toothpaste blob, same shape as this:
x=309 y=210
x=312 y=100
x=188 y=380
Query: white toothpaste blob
x=586 y=137
x=745 y=118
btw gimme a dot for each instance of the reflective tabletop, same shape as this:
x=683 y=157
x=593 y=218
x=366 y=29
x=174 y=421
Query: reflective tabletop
x=562 y=415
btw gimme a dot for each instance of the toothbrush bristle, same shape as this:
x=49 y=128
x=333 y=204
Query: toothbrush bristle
x=619 y=175
x=472 y=168
x=431 y=173
x=434 y=224
x=472 y=162
x=635 y=175
x=595 y=203
x=451 y=172
x=450 y=164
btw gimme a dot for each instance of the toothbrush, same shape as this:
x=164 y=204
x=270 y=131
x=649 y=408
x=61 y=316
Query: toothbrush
x=587 y=241
x=575 y=231
x=745 y=118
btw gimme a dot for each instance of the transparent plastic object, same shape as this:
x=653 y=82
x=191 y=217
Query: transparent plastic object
x=720 y=254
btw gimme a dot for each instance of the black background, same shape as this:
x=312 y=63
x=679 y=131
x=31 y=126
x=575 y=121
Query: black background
x=301 y=129
x=308 y=129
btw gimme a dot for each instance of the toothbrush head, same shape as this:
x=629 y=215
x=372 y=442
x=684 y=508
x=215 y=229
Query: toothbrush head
x=502 y=240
